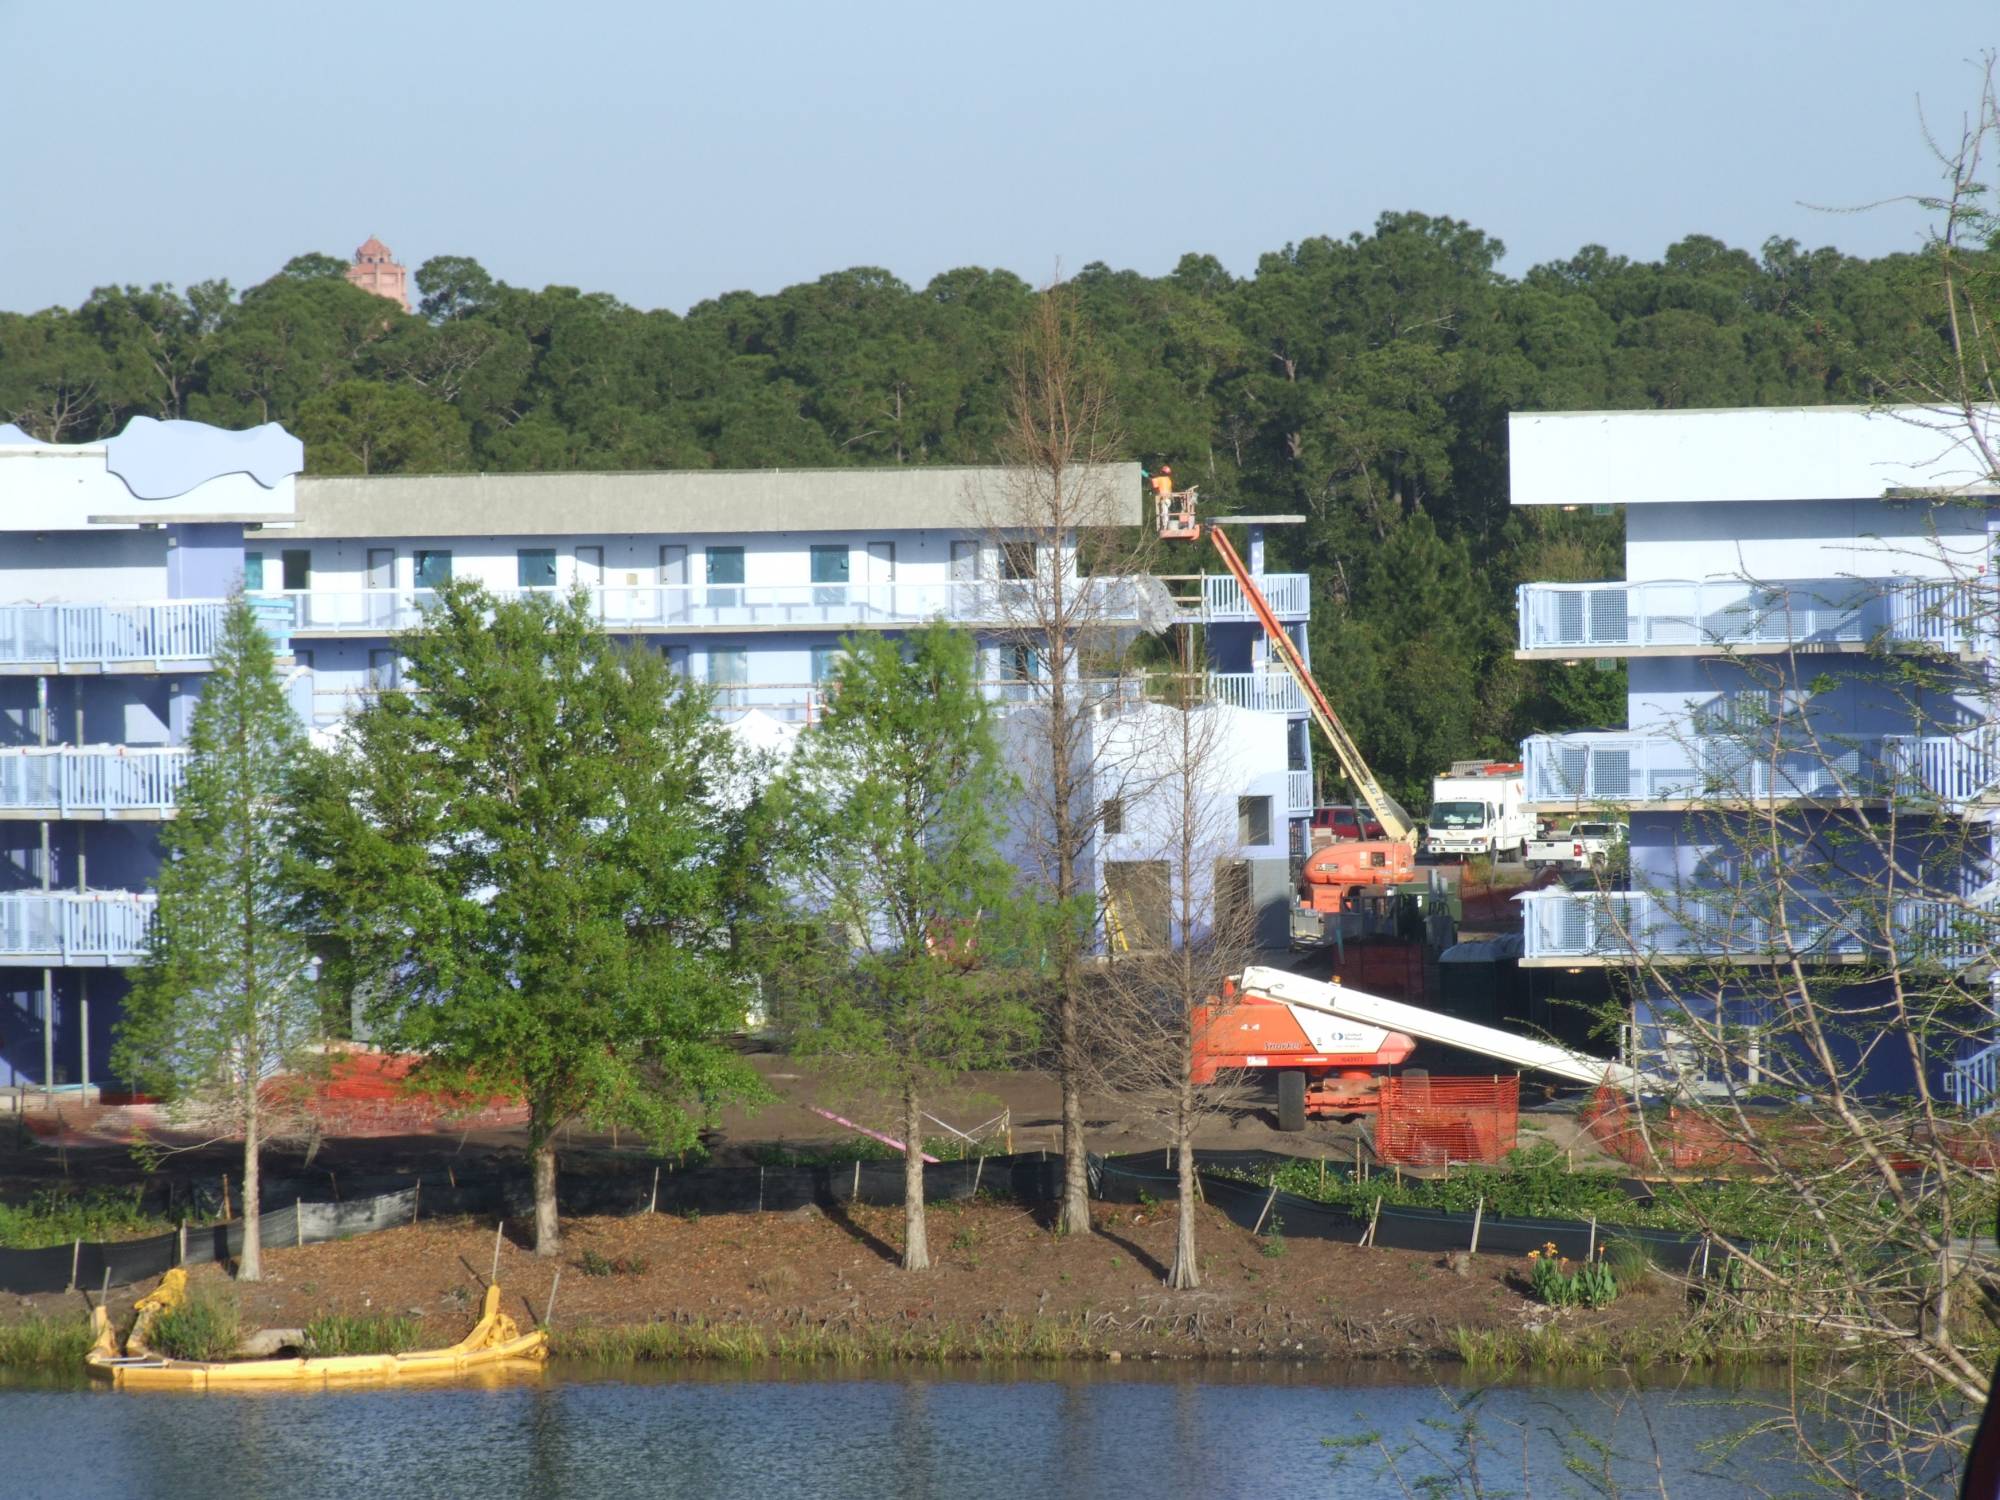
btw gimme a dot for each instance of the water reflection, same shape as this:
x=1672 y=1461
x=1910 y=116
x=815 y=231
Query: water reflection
x=1095 y=1433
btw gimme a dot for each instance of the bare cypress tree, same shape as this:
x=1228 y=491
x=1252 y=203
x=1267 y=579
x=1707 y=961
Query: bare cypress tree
x=225 y=1003
x=1073 y=586
x=1150 y=1020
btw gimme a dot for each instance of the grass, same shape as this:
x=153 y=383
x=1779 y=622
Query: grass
x=41 y=1342
x=1002 y=1339
x=207 y=1325
x=1535 y=1182
x=377 y=1333
x=58 y=1216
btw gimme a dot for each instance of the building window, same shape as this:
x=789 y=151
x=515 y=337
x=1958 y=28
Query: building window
x=1136 y=908
x=385 y=670
x=1253 y=820
x=1235 y=923
x=826 y=663
x=297 y=562
x=253 y=572
x=1024 y=664
x=433 y=568
x=535 y=567
x=725 y=566
x=1017 y=560
x=728 y=671
x=964 y=562
x=830 y=565
x=677 y=659
x=1113 y=816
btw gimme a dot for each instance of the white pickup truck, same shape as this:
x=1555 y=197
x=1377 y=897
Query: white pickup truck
x=1584 y=846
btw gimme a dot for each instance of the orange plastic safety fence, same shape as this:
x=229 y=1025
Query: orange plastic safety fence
x=1432 y=1121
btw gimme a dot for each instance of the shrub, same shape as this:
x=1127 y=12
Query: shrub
x=1559 y=1282
x=56 y=1216
x=338 y=1333
x=206 y=1325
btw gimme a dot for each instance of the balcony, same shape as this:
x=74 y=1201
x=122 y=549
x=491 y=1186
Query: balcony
x=676 y=609
x=1260 y=692
x=1952 y=773
x=95 y=929
x=91 y=782
x=802 y=702
x=1298 y=794
x=1562 y=620
x=1223 y=599
x=1625 y=927
x=176 y=635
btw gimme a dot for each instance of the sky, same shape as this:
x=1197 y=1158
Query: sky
x=668 y=152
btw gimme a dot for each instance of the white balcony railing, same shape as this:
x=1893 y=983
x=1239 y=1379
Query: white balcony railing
x=801 y=702
x=1299 y=793
x=1261 y=692
x=179 y=634
x=71 y=781
x=1973 y=1083
x=69 y=929
x=739 y=606
x=1632 y=926
x=1628 y=770
x=1728 y=614
x=1288 y=594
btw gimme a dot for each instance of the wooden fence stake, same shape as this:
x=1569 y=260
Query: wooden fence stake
x=298 y=1225
x=182 y=1248
x=226 y=1216
x=1591 y=1254
x=854 y=1194
x=1704 y=1257
x=1368 y=1234
x=978 y=1171
x=416 y=1198
x=1322 y=1170
x=75 y=1256
x=498 y=1225
x=1267 y=1209
x=549 y=1310
x=1478 y=1214
x=653 y=1203
x=104 y=1294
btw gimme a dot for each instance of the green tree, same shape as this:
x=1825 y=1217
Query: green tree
x=522 y=867
x=365 y=427
x=314 y=265
x=892 y=799
x=452 y=286
x=224 y=1003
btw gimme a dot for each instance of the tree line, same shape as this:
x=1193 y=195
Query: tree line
x=1362 y=382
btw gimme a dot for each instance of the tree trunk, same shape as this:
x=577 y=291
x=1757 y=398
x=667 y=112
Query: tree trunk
x=1185 y=1274
x=1074 y=1217
x=916 y=1243
x=250 y=1264
x=548 y=1234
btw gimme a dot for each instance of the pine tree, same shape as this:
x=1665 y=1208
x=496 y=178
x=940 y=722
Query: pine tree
x=225 y=1003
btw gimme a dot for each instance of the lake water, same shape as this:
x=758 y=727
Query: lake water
x=1095 y=1433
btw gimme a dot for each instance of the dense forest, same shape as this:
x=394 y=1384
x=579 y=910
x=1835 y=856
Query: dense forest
x=1363 y=382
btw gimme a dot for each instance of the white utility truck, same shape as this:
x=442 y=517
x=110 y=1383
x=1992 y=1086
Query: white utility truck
x=1479 y=807
x=1584 y=846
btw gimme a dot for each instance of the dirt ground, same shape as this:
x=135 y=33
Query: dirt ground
x=993 y=1262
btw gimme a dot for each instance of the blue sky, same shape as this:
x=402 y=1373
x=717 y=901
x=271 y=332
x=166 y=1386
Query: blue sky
x=668 y=152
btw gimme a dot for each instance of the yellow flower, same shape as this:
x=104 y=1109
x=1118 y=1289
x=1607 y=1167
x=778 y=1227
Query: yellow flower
x=1534 y=1255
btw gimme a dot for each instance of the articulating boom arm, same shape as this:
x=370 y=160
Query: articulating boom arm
x=1388 y=811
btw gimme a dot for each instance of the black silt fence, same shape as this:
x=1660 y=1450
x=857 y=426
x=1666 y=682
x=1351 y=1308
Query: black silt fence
x=1028 y=1177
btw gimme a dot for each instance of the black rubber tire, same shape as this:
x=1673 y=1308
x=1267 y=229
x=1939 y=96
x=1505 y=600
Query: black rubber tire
x=1292 y=1100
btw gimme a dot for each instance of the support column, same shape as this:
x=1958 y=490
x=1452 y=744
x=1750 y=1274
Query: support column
x=83 y=1032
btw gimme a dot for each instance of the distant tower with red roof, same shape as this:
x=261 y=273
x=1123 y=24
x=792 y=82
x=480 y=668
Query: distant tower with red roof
x=375 y=270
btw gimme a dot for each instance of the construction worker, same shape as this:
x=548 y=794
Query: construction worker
x=1163 y=494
